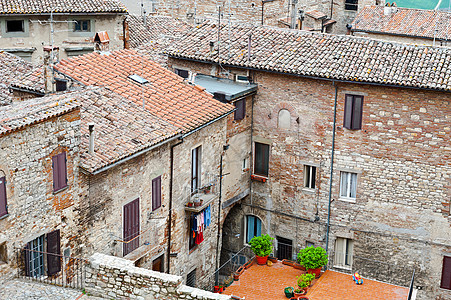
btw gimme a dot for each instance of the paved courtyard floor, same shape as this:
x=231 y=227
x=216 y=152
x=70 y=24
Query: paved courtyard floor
x=18 y=289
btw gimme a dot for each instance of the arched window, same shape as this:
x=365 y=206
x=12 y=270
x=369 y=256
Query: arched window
x=253 y=227
x=284 y=120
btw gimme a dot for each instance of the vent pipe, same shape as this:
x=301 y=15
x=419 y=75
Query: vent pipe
x=91 y=138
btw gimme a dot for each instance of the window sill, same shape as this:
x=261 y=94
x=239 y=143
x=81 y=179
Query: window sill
x=193 y=249
x=343 y=268
x=60 y=190
x=4 y=216
x=309 y=191
x=351 y=200
x=260 y=178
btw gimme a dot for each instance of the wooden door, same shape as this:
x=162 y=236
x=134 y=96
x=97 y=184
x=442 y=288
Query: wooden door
x=131 y=226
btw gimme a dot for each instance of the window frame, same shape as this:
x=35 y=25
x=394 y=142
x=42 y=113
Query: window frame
x=308 y=177
x=12 y=34
x=348 y=5
x=57 y=184
x=265 y=162
x=257 y=221
x=73 y=32
x=348 y=197
x=196 y=169
x=347 y=252
x=353 y=112
x=179 y=70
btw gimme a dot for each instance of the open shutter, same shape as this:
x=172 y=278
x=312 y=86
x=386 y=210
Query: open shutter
x=54 y=252
x=55 y=168
x=26 y=260
x=446 y=273
x=199 y=166
x=357 y=112
x=3 y=210
x=258 y=225
x=347 y=123
x=250 y=228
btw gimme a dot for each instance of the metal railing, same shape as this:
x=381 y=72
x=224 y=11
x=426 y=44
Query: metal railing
x=51 y=268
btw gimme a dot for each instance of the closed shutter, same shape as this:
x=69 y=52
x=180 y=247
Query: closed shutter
x=131 y=226
x=446 y=273
x=357 y=112
x=3 y=210
x=347 y=123
x=54 y=252
x=156 y=193
x=59 y=171
x=240 y=112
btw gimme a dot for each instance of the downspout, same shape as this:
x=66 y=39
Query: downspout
x=331 y=8
x=331 y=170
x=171 y=184
x=219 y=220
x=251 y=155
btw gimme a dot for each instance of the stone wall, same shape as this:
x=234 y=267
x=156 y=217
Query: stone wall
x=113 y=277
x=33 y=208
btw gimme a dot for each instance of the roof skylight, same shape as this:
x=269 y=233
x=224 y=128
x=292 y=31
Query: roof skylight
x=138 y=79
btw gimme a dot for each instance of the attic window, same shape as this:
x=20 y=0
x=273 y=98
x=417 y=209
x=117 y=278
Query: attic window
x=15 y=26
x=138 y=79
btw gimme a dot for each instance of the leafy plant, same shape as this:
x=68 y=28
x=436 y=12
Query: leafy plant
x=261 y=245
x=304 y=280
x=312 y=258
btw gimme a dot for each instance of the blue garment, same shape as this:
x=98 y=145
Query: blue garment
x=207 y=216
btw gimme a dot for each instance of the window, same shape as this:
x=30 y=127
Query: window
x=196 y=155
x=34 y=257
x=253 y=227
x=309 y=244
x=261 y=163
x=15 y=26
x=351 y=4
x=353 y=112
x=59 y=171
x=241 y=78
x=182 y=73
x=240 y=111
x=35 y=262
x=446 y=273
x=3 y=253
x=284 y=248
x=82 y=26
x=192 y=233
x=131 y=226
x=158 y=264
x=61 y=84
x=191 y=278
x=348 y=185
x=284 y=119
x=3 y=204
x=343 y=253
x=309 y=176
x=156 y=193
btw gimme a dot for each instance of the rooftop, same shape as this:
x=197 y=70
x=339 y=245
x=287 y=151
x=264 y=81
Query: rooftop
x=232 y=89
x=11 y=67
x=61 y=6
x=268 y=283
x=165 y=95
x=404 y=21
x=32 y=81
x=318 y=55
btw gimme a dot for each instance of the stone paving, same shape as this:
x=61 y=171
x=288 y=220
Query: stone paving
x=18 y=289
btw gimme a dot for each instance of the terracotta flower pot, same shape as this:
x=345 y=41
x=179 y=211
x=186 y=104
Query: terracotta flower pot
x=261 y=260
x=216 y=289
x=316 y=271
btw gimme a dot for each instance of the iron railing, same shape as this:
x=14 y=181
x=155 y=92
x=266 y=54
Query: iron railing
x=50 y=268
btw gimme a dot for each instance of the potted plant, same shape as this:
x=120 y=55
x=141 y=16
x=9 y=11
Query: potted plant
x=313 y=259
x=207 y=189
x=262 y=247
x=304 y=280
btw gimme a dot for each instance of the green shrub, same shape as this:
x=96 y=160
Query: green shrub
x=304 y=280
x=312 y=258
x=261 y=245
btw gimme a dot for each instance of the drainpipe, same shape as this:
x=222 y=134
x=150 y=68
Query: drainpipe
x=331 y=169
x=251 y=156
x=225 y=147
x=171 y=184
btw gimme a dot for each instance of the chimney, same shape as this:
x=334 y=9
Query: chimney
x=102 y=41
x=51 y=55
x=293 y=14
x=390 y=9
x=91 y=138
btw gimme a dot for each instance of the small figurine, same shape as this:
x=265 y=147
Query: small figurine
x=357 y=278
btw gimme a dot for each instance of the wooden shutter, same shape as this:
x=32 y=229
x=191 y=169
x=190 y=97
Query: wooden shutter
x=261 y=166
x=3 y=210
x=240 y=112
x=347 y=122
x=357 y=112
x=59 y=171
x=446 y=273
x=156 y=193
x=131 y=226
x=54 y=252
x=55 y=173
x=26 y=260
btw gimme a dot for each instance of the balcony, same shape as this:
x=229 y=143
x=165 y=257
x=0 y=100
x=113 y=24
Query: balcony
x=202 y=197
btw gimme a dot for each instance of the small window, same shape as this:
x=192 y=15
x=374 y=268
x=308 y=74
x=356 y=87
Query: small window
x=59 y=171
x=158 y=264
x=196 y=169
x=3 y=253
x=343 y=253
x=353 y=112
x=182 y=73
x=245 y=164
x=191 y=278
x=82 y=26
x=241 y=78
x=261 y=162
x=446 y=273
x=240 y=111
x=61 y=85
x=351 y=5
x=34 y=257
x=348 y=185
x=156 y=193
x=15 y=26
x=3 y=203
x=309 y=244
x=309 y=177
x=253 y=227
x=284 y=119
x=192 y=233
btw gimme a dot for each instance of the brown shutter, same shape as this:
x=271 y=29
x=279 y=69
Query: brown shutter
x=3 y=210
x=347 y=122
x=357 y=112
x=54 y=251
x=55 y=172
x=62 y=171
x=240 y=109
x=156 y=193
x=26 y=259
x=446 y=273
x=131 y=226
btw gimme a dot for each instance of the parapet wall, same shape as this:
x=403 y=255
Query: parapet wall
x=118 y=278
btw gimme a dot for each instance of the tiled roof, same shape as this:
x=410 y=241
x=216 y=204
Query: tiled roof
x=32 y=80
x=22 y=114
x=121 y=128
x=11 y=67
x=404 y=21
x=166 y=95
x=320 y=55
x=316 y=14
x=156 y=28
x=60 y=6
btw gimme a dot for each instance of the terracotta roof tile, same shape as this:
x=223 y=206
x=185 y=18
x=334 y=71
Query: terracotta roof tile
x=11 y=67
x=320 y=55
x=165 y=95
x=404 y=21
x=61 y=6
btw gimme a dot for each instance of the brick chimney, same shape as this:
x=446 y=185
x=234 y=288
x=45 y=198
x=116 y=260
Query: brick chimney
x=51 y=56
